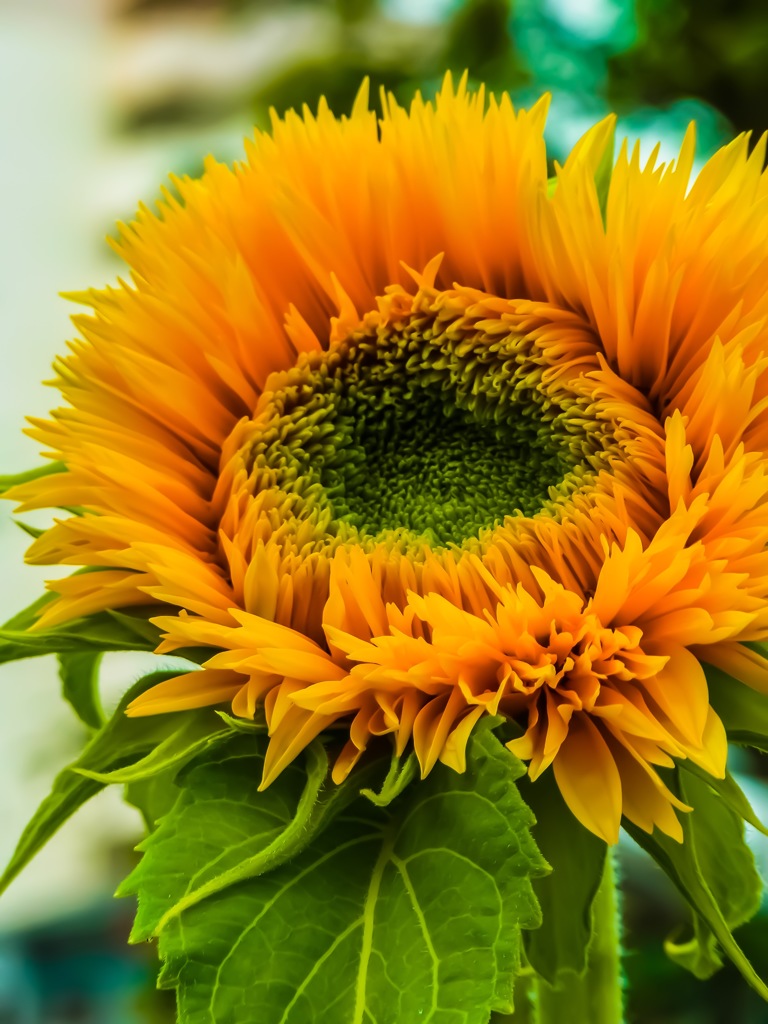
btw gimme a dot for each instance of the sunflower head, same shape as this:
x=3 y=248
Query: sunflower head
x=526 y=478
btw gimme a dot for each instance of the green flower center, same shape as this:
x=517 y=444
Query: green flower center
x=411 y=456
x=420 y=435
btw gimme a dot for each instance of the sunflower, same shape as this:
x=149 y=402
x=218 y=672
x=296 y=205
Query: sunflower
x=400 y=435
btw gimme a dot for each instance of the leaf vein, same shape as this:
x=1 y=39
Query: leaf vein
x=403 y=870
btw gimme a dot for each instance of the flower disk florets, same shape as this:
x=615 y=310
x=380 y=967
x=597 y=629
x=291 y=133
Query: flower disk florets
x=422 y=430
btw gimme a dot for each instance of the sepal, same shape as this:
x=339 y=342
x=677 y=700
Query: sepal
x=400 y=775
x=9 y=480
x=742 y=710
x=103 y=631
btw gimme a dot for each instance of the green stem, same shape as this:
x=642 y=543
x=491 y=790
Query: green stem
x=595 y=997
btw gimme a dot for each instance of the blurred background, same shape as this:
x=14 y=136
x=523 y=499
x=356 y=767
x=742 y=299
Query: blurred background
x=99 y=101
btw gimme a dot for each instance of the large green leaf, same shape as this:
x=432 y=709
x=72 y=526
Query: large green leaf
x=79 y=674
x=406 y=913
x=121 y=742
x=153 y=797
x=577 y=858
x=714 y=870
x=316 y=807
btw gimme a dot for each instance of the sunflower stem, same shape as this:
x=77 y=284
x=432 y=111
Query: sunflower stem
x=595 y=997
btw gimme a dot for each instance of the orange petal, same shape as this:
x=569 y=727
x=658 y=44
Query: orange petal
x=589 y=779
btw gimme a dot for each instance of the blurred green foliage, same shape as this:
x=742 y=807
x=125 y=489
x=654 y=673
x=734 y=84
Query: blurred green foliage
x=714 y=50
x=657 y=63
x=475 y=36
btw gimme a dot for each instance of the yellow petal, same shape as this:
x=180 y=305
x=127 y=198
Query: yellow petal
x=589 y=780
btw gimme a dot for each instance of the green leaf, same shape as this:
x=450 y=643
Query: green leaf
x=99 y=632
x=744 y=711
x=191 y=735
x=577 y=858
x=120 y=742
x=730 y=791
x=714 y=870
x=104 y=631
x=728 y=867
x=8 y=481
x=137 y=624
x=315 y=809
x=593 y=996
x=80 y=686
x=153 y=796
x=404 y=913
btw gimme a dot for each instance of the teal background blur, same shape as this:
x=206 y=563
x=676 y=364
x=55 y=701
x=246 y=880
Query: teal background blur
x=99 y=101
